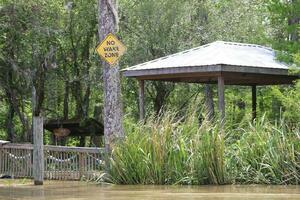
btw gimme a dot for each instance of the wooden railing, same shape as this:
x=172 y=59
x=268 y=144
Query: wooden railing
x=61 y=163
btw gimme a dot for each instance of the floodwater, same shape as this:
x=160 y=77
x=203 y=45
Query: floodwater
x=59 y=190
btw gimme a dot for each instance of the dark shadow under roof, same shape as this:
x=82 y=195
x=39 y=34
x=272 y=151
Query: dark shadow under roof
x=88 y=127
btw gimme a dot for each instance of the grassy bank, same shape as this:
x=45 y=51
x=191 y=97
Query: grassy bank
x=168 y=150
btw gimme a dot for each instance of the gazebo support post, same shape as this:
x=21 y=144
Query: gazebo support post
x=221 y=97
x=142 y=99
x=253 y=102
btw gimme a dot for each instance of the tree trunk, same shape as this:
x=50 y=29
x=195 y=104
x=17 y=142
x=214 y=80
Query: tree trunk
x=10 y=125
x=108 y=22
x=14 y=103
x=63 y=141
x=81 y=141
x=97 y=140
x=160 y=93
x=66 y=100
x=209 y=102
x=293 y=22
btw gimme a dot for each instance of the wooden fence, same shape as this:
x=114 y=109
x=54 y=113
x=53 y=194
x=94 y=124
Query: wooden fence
x=61 y=163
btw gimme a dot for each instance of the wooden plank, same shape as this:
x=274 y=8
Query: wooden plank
x=195 y=75
x=38 y=150
x=55 y=148
x=204 y=68
x=253 y=102
x=17 y=146
x=221 y=100
x=74 y=149
x=241 y=78
x=1 y=161
x=81 y=165
x=142 y=99
x=232 y=78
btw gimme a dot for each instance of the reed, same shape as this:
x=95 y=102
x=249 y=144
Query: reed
x=171 y=150
x=265 y=153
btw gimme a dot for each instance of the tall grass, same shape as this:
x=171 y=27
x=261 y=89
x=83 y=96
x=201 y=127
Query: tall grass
x=168 y=150
x=265 y=153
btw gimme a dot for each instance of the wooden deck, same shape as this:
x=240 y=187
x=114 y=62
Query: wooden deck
x=61 y=163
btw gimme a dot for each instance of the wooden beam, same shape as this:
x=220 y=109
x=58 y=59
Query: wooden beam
x=142 y=99
x=140 y=73
x=38 y=150
x=253 y=102
x=54 y=148
x=221 y=88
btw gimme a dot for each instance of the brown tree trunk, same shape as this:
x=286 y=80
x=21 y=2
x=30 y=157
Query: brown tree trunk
x=66 y=100
x=63 y=141
x=209 y=102
x=14 y=103
x=293 y=22
x=10 y=125
x=97 y=140
x=81 y=141
x=108 y=22
x=159 y=93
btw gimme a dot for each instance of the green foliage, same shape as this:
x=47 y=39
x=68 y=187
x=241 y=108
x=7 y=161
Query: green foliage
x=289 y=98
x=171 y=150
x=31 y=30
x=167 y=150
x=237 y=21
x=265 y=154
x=284 y=18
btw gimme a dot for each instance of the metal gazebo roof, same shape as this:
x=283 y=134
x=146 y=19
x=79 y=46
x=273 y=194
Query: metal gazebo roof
x=238 y=63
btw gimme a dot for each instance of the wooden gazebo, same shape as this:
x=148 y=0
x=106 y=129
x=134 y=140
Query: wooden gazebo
x=222 y=63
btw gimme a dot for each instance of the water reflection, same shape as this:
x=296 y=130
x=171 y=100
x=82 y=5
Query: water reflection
x=59 y=190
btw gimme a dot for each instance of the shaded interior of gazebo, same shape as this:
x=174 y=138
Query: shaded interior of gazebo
x=221 y=63
x=88 y=127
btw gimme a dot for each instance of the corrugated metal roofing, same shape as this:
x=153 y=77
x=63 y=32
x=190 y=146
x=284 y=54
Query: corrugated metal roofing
x=217 y=53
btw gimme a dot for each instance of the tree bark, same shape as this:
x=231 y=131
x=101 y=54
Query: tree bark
x=293 y=21
x=13 y=101
x=97 y=140
x=142 y=99
x=159 y=93
x=108 y=22
x=66 y=100
x=209 y=103
x=10 y=125
x=221 y=99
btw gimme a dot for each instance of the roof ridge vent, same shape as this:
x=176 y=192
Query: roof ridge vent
x=246 y=44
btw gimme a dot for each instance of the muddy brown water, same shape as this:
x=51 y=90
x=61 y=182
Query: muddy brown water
x=59 y=190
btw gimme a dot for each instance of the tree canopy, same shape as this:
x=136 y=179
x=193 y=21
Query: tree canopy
x=48 y=49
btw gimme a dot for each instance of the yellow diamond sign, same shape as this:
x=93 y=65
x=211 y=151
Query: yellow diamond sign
x=111 y=49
